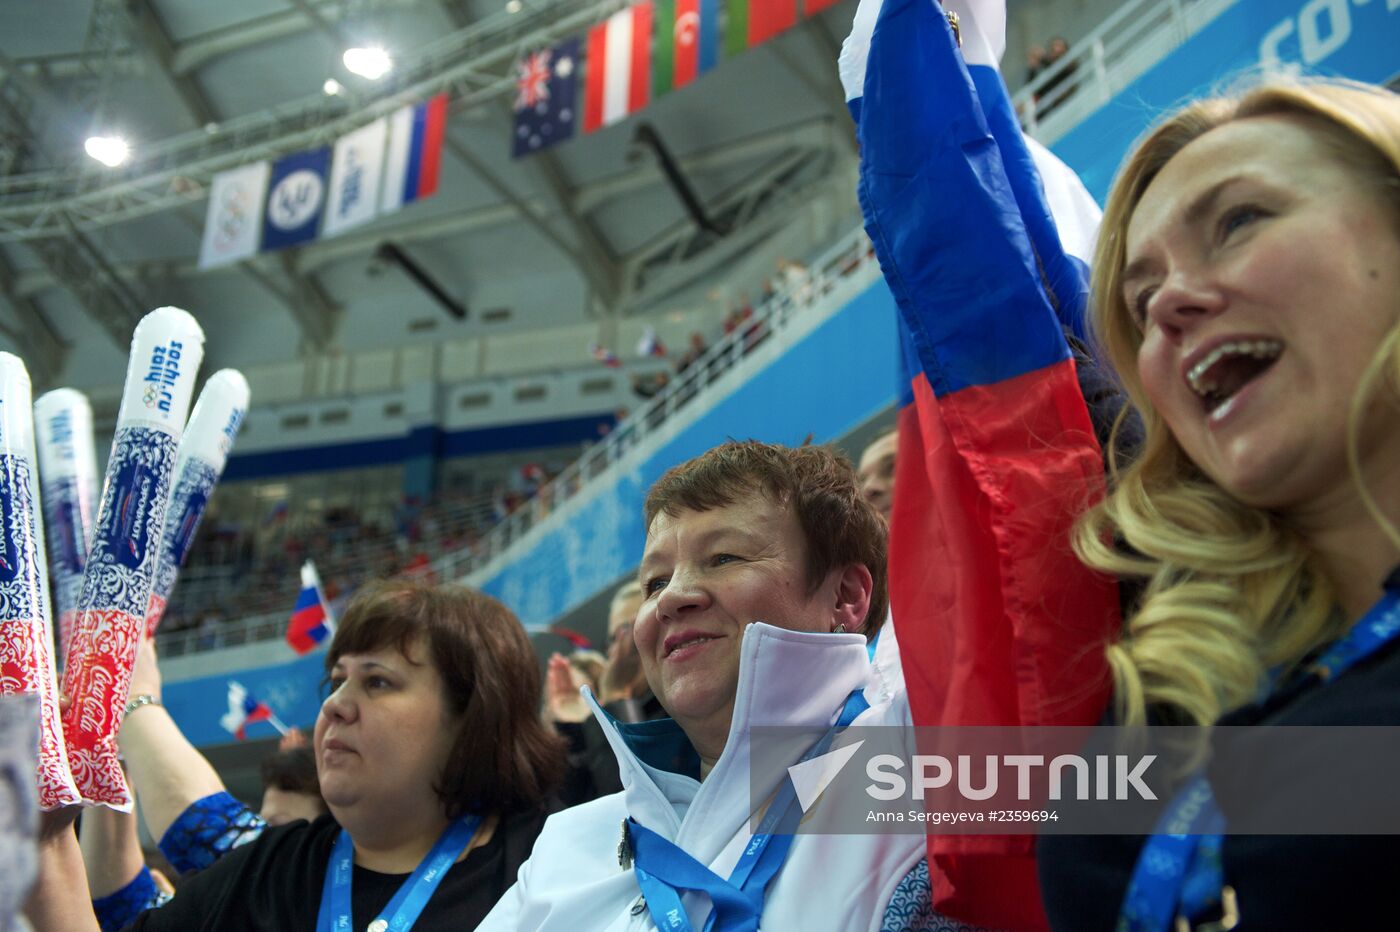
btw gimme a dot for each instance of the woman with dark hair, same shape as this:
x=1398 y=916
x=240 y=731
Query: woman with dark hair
x=435 y=767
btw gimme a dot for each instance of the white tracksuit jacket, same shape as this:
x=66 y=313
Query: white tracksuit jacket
x=573 y=881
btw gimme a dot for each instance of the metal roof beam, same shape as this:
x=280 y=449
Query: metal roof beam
x=825 y=85
x=809 y=134
x=146 y=30
x=36 y=341
x=594 y=276
x=318 y=316
x=593 y=249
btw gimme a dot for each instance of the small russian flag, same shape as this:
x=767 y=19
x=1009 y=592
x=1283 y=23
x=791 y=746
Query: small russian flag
x=312 y=622
x=415 y=153
x=650 y=344
x=244 y=710
x=604 y=355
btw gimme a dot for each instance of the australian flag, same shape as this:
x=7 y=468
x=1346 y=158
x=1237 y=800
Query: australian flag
x=546 y=91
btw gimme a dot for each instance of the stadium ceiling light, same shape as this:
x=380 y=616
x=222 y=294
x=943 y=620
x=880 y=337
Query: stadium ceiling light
x=109 y=150
x=332 y=87
x=372 y=63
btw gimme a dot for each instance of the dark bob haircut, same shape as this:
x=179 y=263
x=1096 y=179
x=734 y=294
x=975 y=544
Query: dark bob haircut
x=819 y=484
x=292 y=771
x=504 y=759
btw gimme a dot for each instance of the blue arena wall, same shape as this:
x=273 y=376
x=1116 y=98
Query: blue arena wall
x=1358 y=39
x=421 y=441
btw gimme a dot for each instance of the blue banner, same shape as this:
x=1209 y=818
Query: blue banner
x=296 y=199
x=292 y=690
x=1357 y=39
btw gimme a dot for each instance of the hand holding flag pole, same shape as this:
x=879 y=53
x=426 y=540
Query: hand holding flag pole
x=312 y=621
x=244 y=710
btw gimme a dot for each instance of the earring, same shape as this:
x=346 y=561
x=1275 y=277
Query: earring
x=839 y=629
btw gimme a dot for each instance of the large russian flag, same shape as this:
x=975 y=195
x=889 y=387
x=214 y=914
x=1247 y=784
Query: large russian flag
x=998 y=622
x=415 y=153
x=619 y=67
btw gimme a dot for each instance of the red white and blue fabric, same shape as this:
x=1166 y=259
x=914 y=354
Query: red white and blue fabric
x=244 y=710
x=546 y=89
x=415 y=153
x=998 y=622
x=604 y=355
x=311 y=618
x=650 y=344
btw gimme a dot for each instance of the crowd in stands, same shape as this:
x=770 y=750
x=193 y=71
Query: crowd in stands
x=234 y=571
x=1043 y=58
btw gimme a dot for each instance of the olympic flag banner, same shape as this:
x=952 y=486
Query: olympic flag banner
x=233 y=223
x=356 y=168
x=998 y=622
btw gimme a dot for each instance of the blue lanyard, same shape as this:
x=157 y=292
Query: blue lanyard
x=663 y=869
x=1179 y=870
x=412 y=896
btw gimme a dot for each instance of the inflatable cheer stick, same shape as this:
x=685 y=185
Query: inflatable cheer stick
x=26 y=620
x=68 y=484
x=203 y=452
x=166 y=350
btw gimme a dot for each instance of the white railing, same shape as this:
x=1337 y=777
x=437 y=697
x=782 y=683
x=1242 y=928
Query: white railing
x=852 y=255
x=1135 y=37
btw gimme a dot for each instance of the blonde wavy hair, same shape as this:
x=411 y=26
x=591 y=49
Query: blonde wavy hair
x=1230 y=591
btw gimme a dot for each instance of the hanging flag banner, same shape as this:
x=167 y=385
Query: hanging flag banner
x=546 y=88
x=415 y=153
x=233 y=224
x=356 y=169
x=619 y=67
x=296 y=199
x=753 y=21
x=687 y=42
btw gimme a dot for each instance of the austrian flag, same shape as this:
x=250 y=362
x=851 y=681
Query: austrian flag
x=619 y=67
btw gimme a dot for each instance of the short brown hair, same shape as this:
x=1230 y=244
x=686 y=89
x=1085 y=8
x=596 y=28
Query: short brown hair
x=504 y=759
x=820 y=485
x=292 y=771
